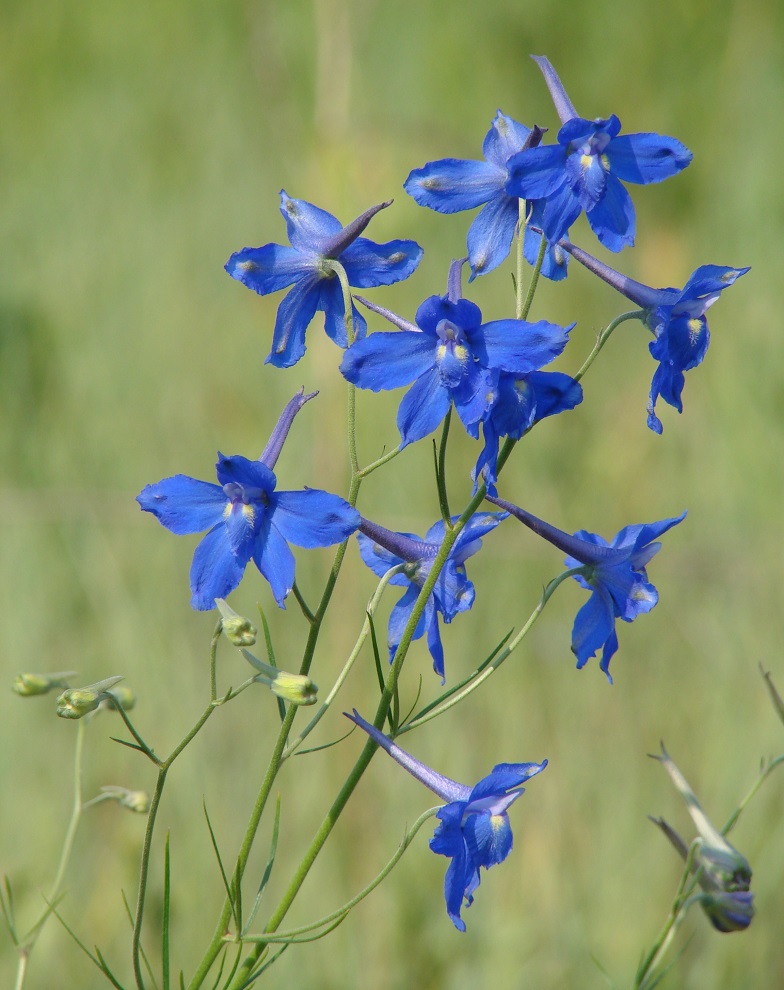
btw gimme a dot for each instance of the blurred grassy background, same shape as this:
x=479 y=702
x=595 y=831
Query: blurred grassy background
x=140 y=144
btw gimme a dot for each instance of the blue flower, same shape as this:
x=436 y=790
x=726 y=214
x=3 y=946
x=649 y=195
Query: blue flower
x=676 y=317
x=317 y=240
x=517 y=403
x=247 y=519
x=584 y=171
x=381 y=549
x=474 y=830
x=613 y=572
x=452 y=185
x=450 y=356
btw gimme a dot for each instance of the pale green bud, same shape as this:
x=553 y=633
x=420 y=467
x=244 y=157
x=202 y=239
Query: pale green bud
x=137 y=801
x=78 y=702
x=238 y=630
x=296 y=688
x=28 y=685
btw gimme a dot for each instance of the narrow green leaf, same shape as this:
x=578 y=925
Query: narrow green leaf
x=98 y=961
x=236 y=912
x=130 y=745
x=268 y=868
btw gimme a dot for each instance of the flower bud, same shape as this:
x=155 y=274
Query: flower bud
x=137 y=801
x=239 y=630
x=78 y=702
x=28 y=685
x=296 y=688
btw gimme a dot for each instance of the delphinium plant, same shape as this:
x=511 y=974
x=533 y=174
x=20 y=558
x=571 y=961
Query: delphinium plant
x=454 y=364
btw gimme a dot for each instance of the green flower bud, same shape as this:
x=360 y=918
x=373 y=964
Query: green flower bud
x=296 y=688
x=137 y=801
x=78 y=702
x=729 y=912
x=28 y=685
x=238 y=630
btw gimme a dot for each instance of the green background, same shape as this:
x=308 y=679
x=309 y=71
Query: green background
x=140 y=144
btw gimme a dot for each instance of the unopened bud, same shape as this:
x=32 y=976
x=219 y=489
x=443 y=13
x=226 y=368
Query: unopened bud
x=296 y=688
x=137 y=801
x=28 y=685
x=238 y=630
x=78 y=702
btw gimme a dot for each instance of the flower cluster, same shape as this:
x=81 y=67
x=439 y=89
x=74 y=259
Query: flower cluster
x=492 y=372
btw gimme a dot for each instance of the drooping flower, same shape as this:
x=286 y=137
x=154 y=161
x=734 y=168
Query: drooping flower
x=317 y=239
x=676 y=317
x=450 y=356
x=722 y=872
x=584 y=171
x=517 y=403
x=381 y=550
x=247 y=519
x=613 y=572
x=474 y=830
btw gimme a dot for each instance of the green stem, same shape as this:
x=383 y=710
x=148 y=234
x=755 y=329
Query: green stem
x=754 y=788
x=380 y=462
x=371 y=608
x=524 y=308
x=604 y=336
x=478 y=678
x=342 y=911
x=302 y=603
x=28 y=942
x=443 y=498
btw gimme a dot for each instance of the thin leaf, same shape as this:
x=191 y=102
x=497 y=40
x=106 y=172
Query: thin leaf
x=316 y=749
x=166 y=914
x=467 y=680
x=7 y=907
x=254 y=976
x=414 y=702
x=235 y=908
x=268 y=868
x=130 y=745
x=142 y=953
x=99 y=961
x=376 y=657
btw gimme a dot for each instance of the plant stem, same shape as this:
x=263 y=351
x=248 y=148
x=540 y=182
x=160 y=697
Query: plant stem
x=604 y=336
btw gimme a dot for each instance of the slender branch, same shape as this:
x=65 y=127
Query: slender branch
x=524 y=310
x=604 y=336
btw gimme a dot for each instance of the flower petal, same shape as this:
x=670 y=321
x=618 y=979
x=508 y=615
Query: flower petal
x=645 y=158
x=368 y=264
x=593 y=626
x=269 y=268
x=517 y=346
x=452 y=185
x=423 y=407
x=313 y=518
x=184 y=505
x=613 y=217
x=505 y=138
x=490 y=235
x=215 y=571
x=388 y=359
x=295 y=314
x=308 y=226
x=537 y=172
x=273 y=557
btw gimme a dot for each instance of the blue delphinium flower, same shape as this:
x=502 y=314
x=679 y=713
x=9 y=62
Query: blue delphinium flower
x=452 y=185
x=676 y=317
x=317 y=239
x=247 y=519
x=474 y=830
x=613 y=572
x=517 y=403
x=584 y=171
x=381 y=550
x=450 y=356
